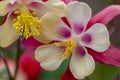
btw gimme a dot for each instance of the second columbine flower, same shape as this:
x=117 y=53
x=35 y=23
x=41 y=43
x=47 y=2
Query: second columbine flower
x=70 y=38
x=23 y=18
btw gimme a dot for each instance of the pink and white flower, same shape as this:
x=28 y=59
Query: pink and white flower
x=23 y=18
x=112 y=55
x=71 y=38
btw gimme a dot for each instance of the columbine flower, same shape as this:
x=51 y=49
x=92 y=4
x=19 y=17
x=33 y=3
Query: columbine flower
x=112 y=55
x=71 y=39
x=23 y=18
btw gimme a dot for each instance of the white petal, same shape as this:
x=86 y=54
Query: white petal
x=7 y=34
x=81 y=66
x=12 y=1
x=41 y=8
x=53 y=28
x=56 y=6
x=3 y=7
x=49 y=57
x=42 y=38
x=99 y=38
x=79 y=14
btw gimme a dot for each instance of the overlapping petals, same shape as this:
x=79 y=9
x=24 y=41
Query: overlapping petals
x=78 y=38
x=8 y=33
x=5 y=7
x=112 y=55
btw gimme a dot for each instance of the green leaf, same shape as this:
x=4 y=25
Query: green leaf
x=54 y=75
x=104 y=72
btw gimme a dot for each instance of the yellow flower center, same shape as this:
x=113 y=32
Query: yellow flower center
x=67 y=47
x=26 y=24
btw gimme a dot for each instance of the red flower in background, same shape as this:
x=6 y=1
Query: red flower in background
x=29 y=65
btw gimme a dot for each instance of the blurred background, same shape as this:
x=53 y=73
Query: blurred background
x=30 y=68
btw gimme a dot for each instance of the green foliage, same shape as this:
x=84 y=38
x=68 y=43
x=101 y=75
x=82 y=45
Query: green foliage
x=54 y=75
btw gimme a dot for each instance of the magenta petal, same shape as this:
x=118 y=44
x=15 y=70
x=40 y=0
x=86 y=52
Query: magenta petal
x=64 y=33
x=105 y=16
x=86 y=39
x=31 y=42
x=80 y=51
x=68 y=1
x=111 y=56
x=67 y=75
x=29 y=65
x=78 y=28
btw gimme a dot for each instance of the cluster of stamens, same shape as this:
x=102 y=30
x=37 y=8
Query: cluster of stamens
x=67 y=46
x=26 y=24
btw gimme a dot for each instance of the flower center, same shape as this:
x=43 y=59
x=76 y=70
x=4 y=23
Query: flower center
x=67 y=47
x=26 y=24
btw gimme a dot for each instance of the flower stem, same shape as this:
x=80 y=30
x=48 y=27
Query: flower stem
x=7 y=67
x=17 y=58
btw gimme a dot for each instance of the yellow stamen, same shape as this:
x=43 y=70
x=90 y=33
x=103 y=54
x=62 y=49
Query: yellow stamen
x=26 y=24
x=34 y=13
x=16 y=12
x=68 y=47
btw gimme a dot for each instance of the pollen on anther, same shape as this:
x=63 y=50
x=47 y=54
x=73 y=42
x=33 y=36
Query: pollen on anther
x=27 y=25
x=67 y=47
x=16 y=12
x=34 y=13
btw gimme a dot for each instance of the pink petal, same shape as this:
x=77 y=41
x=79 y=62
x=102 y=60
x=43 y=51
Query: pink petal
x=29 y=65
x=68 y=1
x=67 y=75
x=38 y=7
x=111 y=56
x=105 y=16
x=44 y=0
x=31 y=42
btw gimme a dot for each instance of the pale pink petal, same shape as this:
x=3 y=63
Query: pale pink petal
x=38 y=7
x=103 y=17
x=97 y=38
x=55 y=29
x=81 y=66
x=49 y=57
x=8 y=34
x=79 y=14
